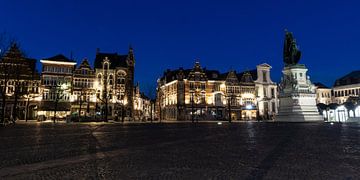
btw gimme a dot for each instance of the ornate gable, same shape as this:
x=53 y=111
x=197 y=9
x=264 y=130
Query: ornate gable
x=197 y=73
x=232 y=79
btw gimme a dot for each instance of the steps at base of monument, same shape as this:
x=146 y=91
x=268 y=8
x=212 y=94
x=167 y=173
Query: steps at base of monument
x=299 y=118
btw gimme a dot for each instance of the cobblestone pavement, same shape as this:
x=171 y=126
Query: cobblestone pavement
x=180 y=151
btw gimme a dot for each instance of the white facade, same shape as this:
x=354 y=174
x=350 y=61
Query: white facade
x=266 y=92
x=323 y=95
x=342 y=93
x=297 y=96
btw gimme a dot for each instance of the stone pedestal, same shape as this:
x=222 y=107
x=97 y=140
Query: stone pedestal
x=297 y=96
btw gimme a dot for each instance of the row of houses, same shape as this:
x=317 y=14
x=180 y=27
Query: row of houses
x=199 y=93
x=64 y=89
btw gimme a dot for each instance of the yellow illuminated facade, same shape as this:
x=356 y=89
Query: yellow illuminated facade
x=201 y=94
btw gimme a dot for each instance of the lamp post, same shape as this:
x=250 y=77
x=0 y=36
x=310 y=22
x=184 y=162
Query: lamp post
x=151 y=110
x=192 y=106
x=229 y=109
x=258 y=100
x=122 y=110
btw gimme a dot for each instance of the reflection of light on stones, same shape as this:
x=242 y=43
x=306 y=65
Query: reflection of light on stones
x=219 y=123
x=251 y=132
x=38 y=135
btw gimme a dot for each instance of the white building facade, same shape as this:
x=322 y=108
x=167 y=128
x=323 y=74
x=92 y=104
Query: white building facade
x=267 y=92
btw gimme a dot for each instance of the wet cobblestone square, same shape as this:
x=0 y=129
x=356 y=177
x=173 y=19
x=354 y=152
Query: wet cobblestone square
x=180 y=151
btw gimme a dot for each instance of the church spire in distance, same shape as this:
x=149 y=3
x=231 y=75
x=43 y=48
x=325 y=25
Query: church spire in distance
x=131 y=58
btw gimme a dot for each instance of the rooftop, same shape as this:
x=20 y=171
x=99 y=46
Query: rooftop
x=351 y=78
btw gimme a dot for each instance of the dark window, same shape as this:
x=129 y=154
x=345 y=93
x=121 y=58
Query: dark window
x=273 y=107
x=111 y=80
x=265 y=93
x=264 y=76
x=191 y=85
x=203 y=86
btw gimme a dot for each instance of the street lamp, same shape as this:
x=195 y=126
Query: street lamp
x=122 y=109
x=192 y=106
x=229 y=97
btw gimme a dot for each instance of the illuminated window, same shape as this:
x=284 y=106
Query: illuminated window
x=120 y=77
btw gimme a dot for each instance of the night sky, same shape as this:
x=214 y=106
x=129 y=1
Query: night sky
x=223 y=34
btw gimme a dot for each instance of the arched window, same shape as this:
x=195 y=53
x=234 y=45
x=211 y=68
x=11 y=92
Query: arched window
x=106 y=65
x=111 y=79
x=120 y=77
x=99 y=77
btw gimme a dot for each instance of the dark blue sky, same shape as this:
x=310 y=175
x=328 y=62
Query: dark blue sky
x=171 y=34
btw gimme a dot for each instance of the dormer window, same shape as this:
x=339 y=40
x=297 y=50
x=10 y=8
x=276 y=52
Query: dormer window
x=106 y=63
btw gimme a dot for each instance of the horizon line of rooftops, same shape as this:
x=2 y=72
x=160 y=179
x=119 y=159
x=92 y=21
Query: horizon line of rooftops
x=351 y=78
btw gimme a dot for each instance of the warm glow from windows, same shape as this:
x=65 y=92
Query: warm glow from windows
x=58 y=62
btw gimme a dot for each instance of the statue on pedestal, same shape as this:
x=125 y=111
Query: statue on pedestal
x=296 y=92
x=291 y=52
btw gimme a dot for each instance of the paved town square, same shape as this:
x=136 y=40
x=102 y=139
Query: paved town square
x=253 y=150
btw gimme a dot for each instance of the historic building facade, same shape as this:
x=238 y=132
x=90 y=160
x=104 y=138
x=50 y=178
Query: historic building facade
x=105 y=92
x=56 y=87
x=323 y=94
x=341 y=103
x=83 y=99
x=267 y=92
x=198 y=93
x=346 y=87
x=114 y=84
x=143 y=109
x=19 y=85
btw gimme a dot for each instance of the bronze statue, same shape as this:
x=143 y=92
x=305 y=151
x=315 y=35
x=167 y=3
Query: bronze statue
x=291 y=53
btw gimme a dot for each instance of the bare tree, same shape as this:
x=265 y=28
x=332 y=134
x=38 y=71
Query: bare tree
x=31 y=91
x=5 y=42
x=159 y=98
x=20 y=88
x=59 y=92
x=104 y=98
x=5 y=72
x=81 y=100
